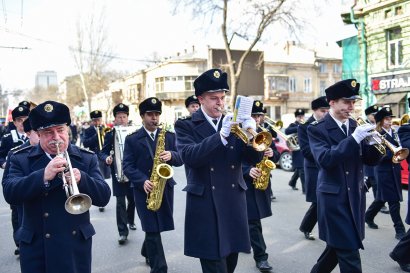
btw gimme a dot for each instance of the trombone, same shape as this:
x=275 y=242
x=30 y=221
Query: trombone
x=291 y=140
x=399 y=153
x=76 y=203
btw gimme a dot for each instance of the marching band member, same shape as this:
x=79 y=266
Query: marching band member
x=139 y=155
x=13 y=139
x=258 y=201
x=216 y=227
x=370 y=178
x=400 y=253
x=297 y=156
x=121 y=190
x=388 y=177
x=320 y=108
x=192 y=104
x=51 y=239
x=336 y=144
x=94 y=140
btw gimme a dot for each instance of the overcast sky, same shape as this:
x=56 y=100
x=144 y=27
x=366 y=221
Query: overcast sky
x=137 y=28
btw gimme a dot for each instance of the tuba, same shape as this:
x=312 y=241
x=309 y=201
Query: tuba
x=76 y=203
x=161 y=172
x=266 y=166
x=291 y=140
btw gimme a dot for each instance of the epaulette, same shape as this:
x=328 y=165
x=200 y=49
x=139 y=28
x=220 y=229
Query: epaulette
x=19 y=149
x=86 y=150
x=6 y=135
x=185 y=117
x=316 y=122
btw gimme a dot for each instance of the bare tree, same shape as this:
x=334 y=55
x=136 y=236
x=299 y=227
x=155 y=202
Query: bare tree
x=245 y=19
x=92 y=54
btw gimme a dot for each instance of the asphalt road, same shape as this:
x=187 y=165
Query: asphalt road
x=288 y=251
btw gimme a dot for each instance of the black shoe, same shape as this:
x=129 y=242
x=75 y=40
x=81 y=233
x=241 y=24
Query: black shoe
x=101 y=209
x=404 y=267
x=309 y=236
x=122 y=239
x=293 y=187
x=17 y=251
x=400 y=235
x=133 y=226
x=372 y=224
x=272 y=198
x=147 y=261
x=384 y=210
x=264 y=266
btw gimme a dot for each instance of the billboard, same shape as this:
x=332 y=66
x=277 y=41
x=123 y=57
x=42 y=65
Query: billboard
x=251 y=81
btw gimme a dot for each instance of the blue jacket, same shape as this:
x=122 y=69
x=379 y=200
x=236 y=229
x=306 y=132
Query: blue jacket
x=8 y=143
x=311 y=170
x=118 y=189
x=90 y=140
x=341 y=194
x=139 y=151
x=51 y=239
x=297 y=156
x=404 y=135
x=388 y=174
x=216 y=221
x=258 y=202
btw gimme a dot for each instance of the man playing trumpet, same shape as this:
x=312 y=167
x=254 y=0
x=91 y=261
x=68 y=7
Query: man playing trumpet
x=51 y=239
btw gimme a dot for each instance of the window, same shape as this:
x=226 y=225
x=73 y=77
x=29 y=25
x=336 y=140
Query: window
x=398 y=10
x=278 y=83
x=189 y=83
x=322 y=68
x=308 y=85
x=322 y=88
x=159 y=84
x=278 y=113
x=336 y=69
x=292 y=85
x=394 y=48
x=387 y=13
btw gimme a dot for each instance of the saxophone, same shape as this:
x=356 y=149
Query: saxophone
x=266 y=166
x=161 y=172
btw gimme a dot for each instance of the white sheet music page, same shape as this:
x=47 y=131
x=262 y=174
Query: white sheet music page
x=243 y=107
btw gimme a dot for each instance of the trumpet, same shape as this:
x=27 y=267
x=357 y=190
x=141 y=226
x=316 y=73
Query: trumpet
x=291 y=140
x=101 y=131
x=76 y=203
x=399 y=153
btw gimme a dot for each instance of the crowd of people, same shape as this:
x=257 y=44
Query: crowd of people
x=338 y=159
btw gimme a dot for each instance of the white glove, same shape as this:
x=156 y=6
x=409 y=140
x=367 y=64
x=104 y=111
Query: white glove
x=226 y=125
x=249 y=123
x=362 y=131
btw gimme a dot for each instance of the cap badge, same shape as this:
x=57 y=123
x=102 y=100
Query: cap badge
x=48 y=108
x=96 y=112
x=153 y=101
x=121 y=105
x=375 y=107
x=20 y=109
x=194 y=97
x=257 y=103
x=353 y=84
x=25 y=103
x=217 y=74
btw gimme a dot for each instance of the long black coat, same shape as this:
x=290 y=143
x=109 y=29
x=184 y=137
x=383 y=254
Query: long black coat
x=341 y=194
x=388 y=175
x=51 y=239
x=297 y=156
x=8 y=143
x=309 y=164
x=139 y=153
x=216 y=221
x=404 y=135
x=258 y=202
x=118 y=189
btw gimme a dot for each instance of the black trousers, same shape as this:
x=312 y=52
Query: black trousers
x=15 y=222
x=348 y=260
x=310 y=219
x=125 y=214
x=257 y=241
x=394 y=207
x=225 y=265
x=153 y=250
x=298 y=173
x=401 y=252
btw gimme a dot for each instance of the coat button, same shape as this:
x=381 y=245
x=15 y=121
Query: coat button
x=347 y=173
x=45 y=194
x=46 y=215
x=233 y=167
x=233 y=185
x=212 y=169
x=348 y=188
x=74 y=232
x=48 y=235
x=231 y=147
x=213 y=187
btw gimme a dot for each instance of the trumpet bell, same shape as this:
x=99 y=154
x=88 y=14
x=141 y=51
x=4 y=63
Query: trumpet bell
x=262 y=141
x=78 y=204
x=400 y=154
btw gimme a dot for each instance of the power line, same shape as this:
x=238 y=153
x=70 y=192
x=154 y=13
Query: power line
x=14 y=47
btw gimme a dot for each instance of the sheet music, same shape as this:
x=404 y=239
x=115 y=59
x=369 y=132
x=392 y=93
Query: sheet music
x=243 y=108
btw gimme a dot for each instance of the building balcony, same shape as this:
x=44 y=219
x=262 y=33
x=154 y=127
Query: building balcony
x=278 y=95
x=173 y=95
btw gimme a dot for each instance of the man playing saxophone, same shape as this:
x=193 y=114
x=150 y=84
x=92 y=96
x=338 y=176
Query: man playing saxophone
x=257 y=200
x=51 y=239
x=216 y=221
x=139 y=155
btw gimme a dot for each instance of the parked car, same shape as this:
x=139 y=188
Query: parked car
x=285 y=160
